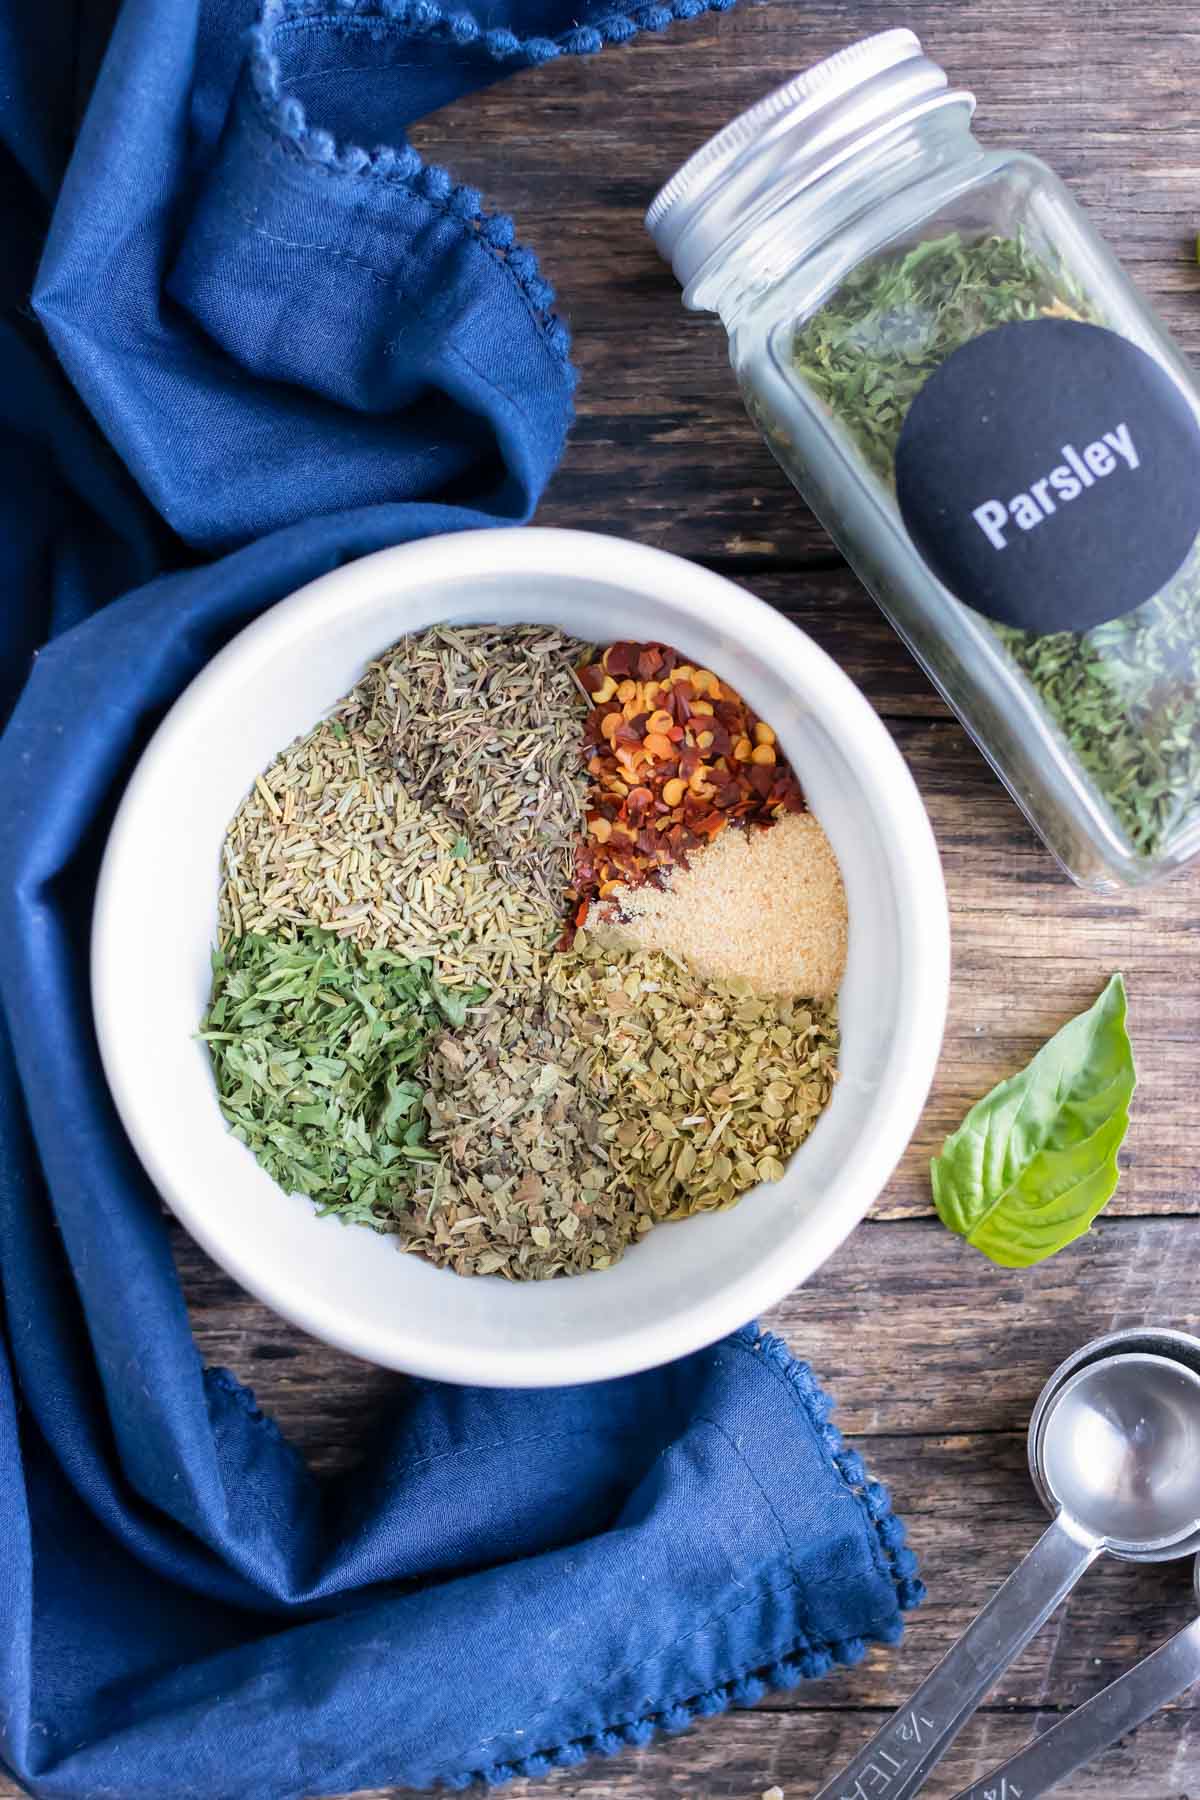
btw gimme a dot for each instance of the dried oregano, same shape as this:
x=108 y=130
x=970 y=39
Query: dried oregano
x=1125 y=695
x=707 y=1088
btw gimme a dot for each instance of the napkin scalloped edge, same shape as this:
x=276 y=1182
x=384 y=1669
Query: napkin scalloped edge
x=806 y=1661
x=494 y=232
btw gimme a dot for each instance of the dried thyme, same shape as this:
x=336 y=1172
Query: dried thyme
x=315 y=1047
x=707 y=1088
x=1125 y=695
x=482 y=723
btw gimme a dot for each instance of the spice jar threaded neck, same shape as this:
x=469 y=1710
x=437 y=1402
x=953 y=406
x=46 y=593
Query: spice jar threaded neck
x=717 y=221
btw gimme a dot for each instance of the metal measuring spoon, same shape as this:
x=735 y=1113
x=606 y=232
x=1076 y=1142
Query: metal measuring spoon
x=1114 y=1445
x=1100 y=1721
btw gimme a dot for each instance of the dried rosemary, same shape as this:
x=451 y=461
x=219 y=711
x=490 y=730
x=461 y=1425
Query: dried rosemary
x=328 y=836
x=1125 y=695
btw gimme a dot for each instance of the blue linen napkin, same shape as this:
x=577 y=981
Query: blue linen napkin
x=253 y=352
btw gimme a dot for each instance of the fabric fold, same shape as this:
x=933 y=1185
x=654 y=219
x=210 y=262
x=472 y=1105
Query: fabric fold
x=265 y=339
x=650 y=1539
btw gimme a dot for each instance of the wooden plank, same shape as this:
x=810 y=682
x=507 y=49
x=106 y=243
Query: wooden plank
x=971 y=1515
x=833 y=607
x=1029 y=951
x=740 y=1755
x=914 y=1333
x=662 y=450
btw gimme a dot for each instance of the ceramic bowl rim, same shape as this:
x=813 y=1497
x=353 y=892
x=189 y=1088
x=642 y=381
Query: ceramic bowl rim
x=909 y=849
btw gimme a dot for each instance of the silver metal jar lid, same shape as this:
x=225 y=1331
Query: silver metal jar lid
x=794 y=135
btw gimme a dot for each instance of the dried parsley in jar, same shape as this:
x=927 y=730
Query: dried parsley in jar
x=958 y=376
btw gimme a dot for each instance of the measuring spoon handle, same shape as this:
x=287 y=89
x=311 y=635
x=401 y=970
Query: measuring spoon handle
x=1096 y=1724
x=900 y=1756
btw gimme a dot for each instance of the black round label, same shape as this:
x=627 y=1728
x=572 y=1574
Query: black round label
x=1049 y=474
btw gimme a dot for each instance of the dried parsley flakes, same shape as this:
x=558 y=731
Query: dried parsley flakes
x=315 y=1047
x=869 y=351
x=1125 y=695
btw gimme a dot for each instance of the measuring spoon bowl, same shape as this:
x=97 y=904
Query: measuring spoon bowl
x=1118 y=1449
x=1118 y=1436
x=1163 y=1342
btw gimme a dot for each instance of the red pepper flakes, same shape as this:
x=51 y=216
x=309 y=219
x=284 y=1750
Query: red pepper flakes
x=675 y=755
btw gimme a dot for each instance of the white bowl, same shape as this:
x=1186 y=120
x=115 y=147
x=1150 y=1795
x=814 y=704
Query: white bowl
x=686 y=1284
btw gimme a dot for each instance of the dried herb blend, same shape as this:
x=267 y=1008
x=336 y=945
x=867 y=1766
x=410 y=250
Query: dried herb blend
x=315 y=1047
x=391 y=1030
x=1125 y=695
x=675 y=756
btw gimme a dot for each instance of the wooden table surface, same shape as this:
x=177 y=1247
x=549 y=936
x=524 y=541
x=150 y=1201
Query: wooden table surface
x=935 y=1356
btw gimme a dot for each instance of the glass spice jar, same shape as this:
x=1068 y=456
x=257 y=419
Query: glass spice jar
x=990 y=421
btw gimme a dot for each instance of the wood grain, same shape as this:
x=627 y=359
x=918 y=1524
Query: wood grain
x=1104 y=93
x=935 y=1356
x=739 y=1756
x=911 y=1330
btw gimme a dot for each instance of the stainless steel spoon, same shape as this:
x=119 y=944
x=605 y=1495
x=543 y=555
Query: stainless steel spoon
x=1100 y=1721
x=1114 y=1444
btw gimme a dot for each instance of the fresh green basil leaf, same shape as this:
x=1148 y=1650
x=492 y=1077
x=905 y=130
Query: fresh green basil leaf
x=1035 y=1160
